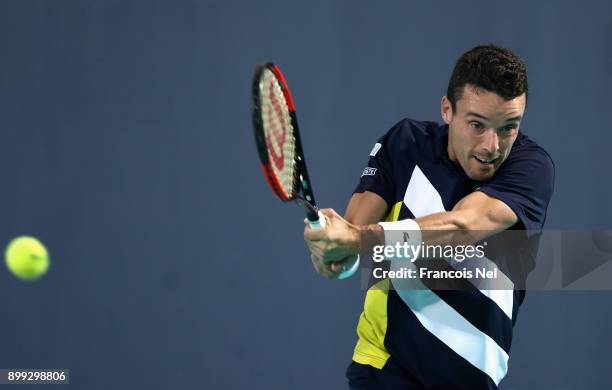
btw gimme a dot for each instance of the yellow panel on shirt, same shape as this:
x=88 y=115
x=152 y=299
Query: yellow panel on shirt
x=372 y=327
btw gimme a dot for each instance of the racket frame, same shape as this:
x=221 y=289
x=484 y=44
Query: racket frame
x=304 y=194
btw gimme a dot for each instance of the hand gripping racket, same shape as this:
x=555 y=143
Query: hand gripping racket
x=278 y=141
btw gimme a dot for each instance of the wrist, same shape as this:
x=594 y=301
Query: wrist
x=370 y=236
x=406 y=232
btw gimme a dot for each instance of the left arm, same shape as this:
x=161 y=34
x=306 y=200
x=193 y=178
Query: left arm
x=474 y=218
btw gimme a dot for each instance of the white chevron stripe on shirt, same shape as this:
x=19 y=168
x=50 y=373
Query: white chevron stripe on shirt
x=439 y=318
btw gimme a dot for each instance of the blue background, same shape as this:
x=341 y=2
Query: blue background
x=127 y=148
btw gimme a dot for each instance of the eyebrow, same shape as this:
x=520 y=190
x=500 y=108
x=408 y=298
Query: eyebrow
x=477 y=115
x=480 y=116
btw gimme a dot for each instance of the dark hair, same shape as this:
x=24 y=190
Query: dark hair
x=493 y=68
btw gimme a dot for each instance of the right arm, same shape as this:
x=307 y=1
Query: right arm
x=365 y=208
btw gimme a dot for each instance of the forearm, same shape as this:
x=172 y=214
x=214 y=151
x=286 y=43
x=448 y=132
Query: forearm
x=474 y=218
x=446 y=228
x=449 y=228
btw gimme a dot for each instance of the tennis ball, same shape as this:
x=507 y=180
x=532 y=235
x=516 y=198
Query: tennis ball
x=27 y=258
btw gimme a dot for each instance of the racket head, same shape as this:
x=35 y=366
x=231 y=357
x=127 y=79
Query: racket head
x=276 y=131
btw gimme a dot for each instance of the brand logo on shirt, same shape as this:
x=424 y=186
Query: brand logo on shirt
x=369 y=172
x=375 y=149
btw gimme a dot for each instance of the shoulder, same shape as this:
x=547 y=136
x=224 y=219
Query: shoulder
x=529 y=172
x=411 y=130
x=525 y=182
x=526 y=152
x=409 y=134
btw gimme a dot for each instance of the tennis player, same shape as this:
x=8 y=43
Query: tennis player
x=475 y=173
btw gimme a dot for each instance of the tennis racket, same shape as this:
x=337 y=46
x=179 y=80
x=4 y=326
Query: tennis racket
x=278 y=141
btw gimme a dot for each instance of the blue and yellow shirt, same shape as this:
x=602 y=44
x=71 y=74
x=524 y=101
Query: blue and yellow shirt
x=446 y=339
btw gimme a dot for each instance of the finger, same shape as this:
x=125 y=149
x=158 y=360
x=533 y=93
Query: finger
x=316 y=253
x=338 y=266
x=321 y=268
x=314 y=234
x=330 y=213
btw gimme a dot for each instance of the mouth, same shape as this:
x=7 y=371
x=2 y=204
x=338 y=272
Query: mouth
x=486 y=162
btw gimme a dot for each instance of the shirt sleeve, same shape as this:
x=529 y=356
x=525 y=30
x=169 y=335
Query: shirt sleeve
x=377 y=176
x=525 y=183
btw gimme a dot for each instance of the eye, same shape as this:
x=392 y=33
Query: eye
x=476 y=125
x=509 y=128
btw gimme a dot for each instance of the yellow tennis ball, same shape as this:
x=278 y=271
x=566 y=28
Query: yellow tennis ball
x=27 y=258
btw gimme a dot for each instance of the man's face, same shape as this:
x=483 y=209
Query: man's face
x=482 y=130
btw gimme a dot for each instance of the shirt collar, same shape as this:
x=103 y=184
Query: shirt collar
x=441 y=142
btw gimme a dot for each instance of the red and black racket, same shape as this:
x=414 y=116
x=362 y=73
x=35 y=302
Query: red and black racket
x=278 y=141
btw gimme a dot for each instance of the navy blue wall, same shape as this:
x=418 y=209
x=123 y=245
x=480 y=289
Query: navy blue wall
x=126 y=147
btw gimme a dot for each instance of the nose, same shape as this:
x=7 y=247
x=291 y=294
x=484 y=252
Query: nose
x=490 y=142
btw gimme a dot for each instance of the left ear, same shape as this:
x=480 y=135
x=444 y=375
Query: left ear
x=446 y=109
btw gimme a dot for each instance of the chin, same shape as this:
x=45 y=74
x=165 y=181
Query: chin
x=478 y=175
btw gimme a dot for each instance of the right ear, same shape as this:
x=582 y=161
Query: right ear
x=446 y=109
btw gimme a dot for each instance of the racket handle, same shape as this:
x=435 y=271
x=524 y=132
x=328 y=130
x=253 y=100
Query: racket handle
x=347 y=273
x=319 y=223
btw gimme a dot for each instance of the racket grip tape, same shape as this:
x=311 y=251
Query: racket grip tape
x=319 y=223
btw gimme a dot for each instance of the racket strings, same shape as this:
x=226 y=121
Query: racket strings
x=279 y=133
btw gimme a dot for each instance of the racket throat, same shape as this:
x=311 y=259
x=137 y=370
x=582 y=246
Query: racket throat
x=312 y=212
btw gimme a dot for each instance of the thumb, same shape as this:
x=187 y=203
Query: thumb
x=330 y=213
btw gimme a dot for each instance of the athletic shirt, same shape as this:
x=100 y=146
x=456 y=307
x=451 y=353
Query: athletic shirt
x=447 y=339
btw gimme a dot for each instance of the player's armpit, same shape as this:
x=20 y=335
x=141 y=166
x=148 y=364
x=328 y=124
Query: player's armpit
x=365 y=208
